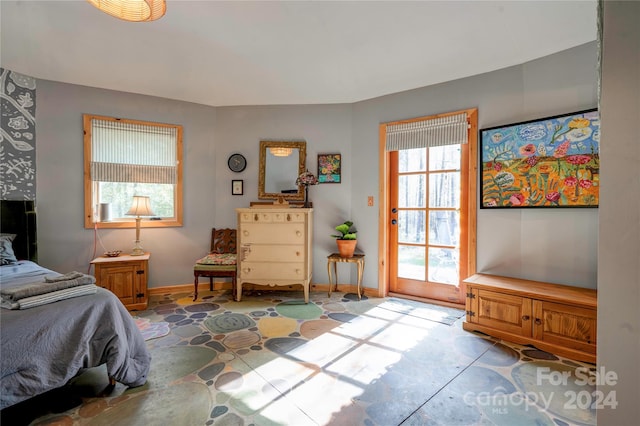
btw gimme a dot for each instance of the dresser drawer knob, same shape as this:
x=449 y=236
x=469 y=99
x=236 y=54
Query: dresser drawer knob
x=297 y=253
x=245 y=233
x=246 y=270
x=526 y=318
x=288 y=217
x=256 y=217
x=298 y=234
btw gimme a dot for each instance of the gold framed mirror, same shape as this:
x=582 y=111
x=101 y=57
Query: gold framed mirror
x=281 y=162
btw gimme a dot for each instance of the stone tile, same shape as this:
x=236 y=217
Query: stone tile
x=272 y=360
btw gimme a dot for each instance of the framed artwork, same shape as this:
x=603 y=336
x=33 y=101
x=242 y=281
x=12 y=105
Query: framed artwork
x=237 y=187
x=329 y=168
x=549 y=162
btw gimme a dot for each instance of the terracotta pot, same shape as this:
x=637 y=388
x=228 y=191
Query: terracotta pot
x=346 y=247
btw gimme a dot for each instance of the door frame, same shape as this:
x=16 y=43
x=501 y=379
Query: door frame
x=468 y=215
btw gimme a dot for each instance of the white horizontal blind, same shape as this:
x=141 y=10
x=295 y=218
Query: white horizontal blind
x=449 y=130
x=127 y=152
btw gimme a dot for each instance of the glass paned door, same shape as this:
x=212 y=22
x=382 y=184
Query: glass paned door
x=426 y=194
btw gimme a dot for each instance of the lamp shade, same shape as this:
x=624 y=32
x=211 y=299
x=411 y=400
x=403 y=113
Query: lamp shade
x=141 y=207
x=132 y=10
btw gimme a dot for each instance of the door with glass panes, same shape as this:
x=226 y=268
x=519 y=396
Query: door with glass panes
x=427 y=252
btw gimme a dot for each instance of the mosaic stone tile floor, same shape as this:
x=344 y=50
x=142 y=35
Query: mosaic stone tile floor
x=273 y=360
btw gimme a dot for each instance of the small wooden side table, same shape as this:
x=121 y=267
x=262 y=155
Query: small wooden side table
x=126 y=277
x=334 y=258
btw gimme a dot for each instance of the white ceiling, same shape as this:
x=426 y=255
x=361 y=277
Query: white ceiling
x=273 y=52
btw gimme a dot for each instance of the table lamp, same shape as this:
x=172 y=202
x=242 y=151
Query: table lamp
x=141 y=207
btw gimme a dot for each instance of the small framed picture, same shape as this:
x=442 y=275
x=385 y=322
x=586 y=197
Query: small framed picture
x=329 y=168
x=236 y=187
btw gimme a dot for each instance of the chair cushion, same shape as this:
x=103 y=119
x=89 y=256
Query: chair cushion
x=218 y=259
x=214 y=268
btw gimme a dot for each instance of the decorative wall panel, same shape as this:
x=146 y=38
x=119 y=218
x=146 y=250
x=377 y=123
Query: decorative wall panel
x=17 y=136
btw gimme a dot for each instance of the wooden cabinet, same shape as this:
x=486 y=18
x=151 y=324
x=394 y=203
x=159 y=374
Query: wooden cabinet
x=552 y=317
x=126 y=277
x=274 y=247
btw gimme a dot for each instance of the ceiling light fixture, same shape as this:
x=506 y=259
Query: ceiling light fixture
x=280 y=151
x=132 y=10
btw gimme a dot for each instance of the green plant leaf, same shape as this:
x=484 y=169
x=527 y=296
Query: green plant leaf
x=343 y=229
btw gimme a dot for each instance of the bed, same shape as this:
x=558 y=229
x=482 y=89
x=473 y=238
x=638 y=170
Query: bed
x=43 y=347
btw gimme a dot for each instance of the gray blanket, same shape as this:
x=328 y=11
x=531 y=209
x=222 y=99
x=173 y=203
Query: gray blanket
x=50 y=297
x=46 y=346
x=15 y=293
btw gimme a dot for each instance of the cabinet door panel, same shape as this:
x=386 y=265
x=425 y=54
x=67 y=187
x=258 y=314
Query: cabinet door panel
x=504 y=312
x=119 y=280
x=565 y=325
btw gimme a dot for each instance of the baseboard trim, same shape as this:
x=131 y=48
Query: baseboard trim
x=182 y=288
x=226 y=285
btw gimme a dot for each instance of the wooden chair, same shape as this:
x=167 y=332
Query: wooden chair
x=221 y=260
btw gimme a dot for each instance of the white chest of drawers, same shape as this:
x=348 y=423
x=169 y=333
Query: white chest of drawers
x=274 y=247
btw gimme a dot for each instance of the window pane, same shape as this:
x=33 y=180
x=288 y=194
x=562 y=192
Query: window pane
x=444 y=157
x=411 y=191
x=412 y=160
x=411 y=262
x=444 y=190
x=120 y=196
x=444 y=228
x=443 y=265
x=411 y=226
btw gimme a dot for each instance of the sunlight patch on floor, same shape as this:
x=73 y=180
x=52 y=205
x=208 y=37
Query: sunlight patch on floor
x=384 y=314
x=323 y=349
x=361 y=327
x=365 y=364
x=283 y=412
x=323 y=395
x=251 y=396
x=284 y=373
x=400 y=337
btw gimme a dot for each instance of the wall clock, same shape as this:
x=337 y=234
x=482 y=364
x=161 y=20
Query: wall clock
x=237 y=163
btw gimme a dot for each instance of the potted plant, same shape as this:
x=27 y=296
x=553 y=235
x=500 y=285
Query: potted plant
x=346 y=240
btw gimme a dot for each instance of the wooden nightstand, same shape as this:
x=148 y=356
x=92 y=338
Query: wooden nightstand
x=126 y=277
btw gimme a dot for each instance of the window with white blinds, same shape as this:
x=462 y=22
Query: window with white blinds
x=126 y=152
x=440 y=131
x=126 y=157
